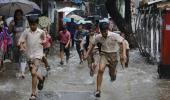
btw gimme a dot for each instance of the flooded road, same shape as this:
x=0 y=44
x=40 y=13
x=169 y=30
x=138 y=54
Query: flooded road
x=72 y=82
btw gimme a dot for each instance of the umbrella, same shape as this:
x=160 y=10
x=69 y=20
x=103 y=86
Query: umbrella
x=8 y=7
x=44 y=21
x=66 y=19
x=36 y=9
x=76 y=17
x=104 y=20
x=34 y=12
x=67 y=10
x=84 y=22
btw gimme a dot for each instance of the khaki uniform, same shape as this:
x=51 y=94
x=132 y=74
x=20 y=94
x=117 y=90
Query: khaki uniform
x=109 y=50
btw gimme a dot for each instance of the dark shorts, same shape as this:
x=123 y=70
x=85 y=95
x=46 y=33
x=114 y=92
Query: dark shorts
x=78 y=49
x=46 y=50
x=66 y=50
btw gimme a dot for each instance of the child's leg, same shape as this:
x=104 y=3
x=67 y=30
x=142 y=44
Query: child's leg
x=23 y=67
x=45 y=61
x=91 y=64
x=67 y=52
x=33 y=71
x=81 y=45
x=82 y=49
x=22 y=63
x=62 y=47
x=33 y=65
x=96 y=60
x=127 y=60
x=122 y=61
x=39 y=73
x=84 y=52
x=112 y=65
x=62 y=55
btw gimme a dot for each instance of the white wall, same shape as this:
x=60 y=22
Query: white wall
x=51 y=7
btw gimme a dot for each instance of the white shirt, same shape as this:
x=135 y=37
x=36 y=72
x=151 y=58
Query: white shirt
x=109 y=44
x=33 y=42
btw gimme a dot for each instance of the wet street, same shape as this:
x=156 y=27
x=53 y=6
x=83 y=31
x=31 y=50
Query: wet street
x=73 y=82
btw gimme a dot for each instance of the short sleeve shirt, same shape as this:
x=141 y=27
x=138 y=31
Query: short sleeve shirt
x=110 y=43
x=33 y=42
x=64 y=37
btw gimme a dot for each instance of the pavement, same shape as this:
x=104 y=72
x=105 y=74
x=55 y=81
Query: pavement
x=72 y=81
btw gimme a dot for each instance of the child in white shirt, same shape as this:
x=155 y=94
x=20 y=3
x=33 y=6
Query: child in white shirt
x=34 y=39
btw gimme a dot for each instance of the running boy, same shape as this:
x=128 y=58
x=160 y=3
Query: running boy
x=94 y=55
x=108 y=53
x=65 y=38
x=34 y=39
